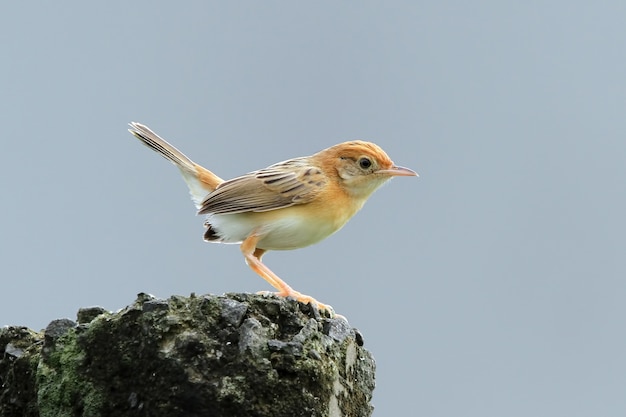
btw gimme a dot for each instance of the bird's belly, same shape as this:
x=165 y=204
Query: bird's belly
x=282 y=231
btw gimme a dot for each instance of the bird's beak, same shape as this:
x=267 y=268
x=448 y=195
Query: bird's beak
x=396 y=171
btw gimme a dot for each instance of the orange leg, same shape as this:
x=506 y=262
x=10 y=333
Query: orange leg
x=253 y=259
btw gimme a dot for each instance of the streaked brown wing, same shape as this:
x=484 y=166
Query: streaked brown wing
x=280 y=185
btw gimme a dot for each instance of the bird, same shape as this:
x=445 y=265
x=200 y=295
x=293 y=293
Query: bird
x=288 y=205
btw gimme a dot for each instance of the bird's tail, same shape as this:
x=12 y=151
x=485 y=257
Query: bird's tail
x=200 y=180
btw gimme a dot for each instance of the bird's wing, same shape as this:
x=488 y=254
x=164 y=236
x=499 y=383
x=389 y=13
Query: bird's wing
x=280 y=185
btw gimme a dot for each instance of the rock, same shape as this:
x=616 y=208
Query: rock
x=19 y=356
x=58 y=328
x=231 y=355
x=87 y=314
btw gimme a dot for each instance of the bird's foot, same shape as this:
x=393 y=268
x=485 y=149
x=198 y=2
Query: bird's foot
x=306 y=299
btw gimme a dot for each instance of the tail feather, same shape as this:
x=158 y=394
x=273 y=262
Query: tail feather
x=200 y=180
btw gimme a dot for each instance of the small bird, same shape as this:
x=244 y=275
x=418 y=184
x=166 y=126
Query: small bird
x=288 y=205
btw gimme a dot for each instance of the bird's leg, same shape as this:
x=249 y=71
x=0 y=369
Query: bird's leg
x=284 y=290
x=253 y=256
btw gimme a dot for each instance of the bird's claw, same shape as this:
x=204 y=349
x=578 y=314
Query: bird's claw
x=305 y=299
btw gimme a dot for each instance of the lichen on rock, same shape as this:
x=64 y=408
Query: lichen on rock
x=230 y=355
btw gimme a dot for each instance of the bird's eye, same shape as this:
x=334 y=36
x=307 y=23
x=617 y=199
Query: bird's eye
x=365 y=163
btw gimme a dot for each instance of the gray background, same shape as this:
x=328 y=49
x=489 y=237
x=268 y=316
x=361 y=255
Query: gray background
x=493 y=285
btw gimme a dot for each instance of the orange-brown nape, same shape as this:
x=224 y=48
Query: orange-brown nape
x=288 y=205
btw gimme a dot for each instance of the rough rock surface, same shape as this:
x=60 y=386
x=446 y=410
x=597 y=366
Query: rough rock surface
x=231 y=355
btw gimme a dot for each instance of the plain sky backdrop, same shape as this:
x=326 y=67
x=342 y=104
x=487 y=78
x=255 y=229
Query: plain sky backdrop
x=493 y=285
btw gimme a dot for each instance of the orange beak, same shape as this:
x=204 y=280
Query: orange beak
x=396 y=171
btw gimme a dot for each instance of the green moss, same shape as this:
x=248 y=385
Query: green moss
x=61 y=388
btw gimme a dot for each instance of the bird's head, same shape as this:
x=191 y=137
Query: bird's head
x=361 y=166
